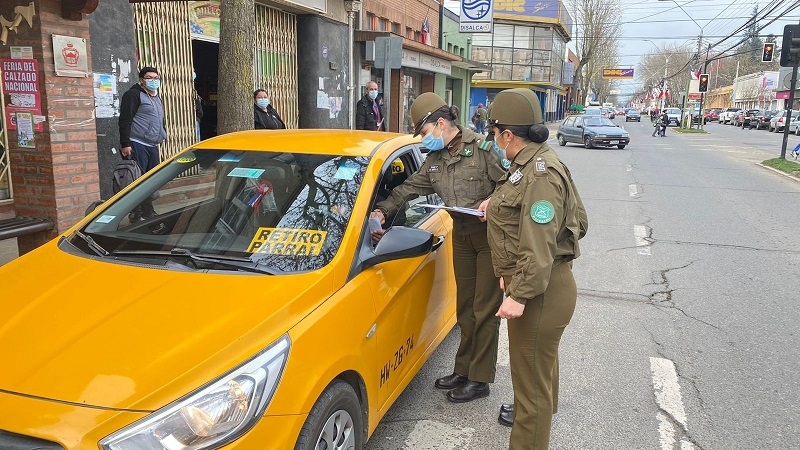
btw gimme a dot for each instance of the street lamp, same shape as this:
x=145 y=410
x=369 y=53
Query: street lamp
x=663 y=80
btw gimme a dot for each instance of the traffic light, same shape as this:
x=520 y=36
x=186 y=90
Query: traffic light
x=790 y=48
x=769 y=49
x=703 y=82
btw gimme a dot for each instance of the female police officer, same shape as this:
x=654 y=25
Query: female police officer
x=535 y=218
x=462 y=169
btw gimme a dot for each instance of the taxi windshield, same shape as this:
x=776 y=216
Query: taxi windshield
x=283 y=211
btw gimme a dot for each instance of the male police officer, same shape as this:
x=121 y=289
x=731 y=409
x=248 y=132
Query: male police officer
x=462 y=169
x=535 y=219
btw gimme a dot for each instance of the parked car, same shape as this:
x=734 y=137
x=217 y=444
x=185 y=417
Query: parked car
x=743 y=117
x=761 y=119
x=777 y=122
x=633 y=114
x=674 y=115
x=593 y=111
x=794 y=125
x=712 y=115
x=591 y=132
x=728 y=114
x=253 y=307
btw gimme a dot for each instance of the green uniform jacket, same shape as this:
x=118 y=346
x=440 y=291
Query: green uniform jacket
x=535 y=219
x=463 y=180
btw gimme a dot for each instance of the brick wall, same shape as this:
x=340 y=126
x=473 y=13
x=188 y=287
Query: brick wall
x=59 y=178
x=409 y=14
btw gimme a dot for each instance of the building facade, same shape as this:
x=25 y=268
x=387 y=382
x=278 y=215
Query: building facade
x=526 y=49
x=756 y=91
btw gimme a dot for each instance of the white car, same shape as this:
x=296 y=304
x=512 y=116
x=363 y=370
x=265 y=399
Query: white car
x=778 y=121
x=728 y=114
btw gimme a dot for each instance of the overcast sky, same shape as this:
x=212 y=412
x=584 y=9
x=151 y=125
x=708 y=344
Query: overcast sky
x=664 y=22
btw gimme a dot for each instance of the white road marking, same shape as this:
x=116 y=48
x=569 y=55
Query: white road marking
x=633 y=190
x=640 y=233
x=502 y=347
x=629 y=167
x=430 y=435
x=668 y=397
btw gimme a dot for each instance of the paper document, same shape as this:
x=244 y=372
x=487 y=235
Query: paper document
x=458 y=209
x=374 y=224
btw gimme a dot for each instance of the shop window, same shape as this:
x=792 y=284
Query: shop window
x=503 y=36
x=482 y=54
x=5 y=174
x=521 y=73
x=501 y=55
x=482 y=39
x=522 y=56
x=523 y=37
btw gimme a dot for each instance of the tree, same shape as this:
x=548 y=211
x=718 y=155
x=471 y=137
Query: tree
x=597 y=29
x=235 y=100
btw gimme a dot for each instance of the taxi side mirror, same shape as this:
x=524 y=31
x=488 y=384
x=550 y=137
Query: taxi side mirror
x=399 y=243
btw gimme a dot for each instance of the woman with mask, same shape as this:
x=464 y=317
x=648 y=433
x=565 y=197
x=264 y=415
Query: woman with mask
x=265 y=115
x=462 y=169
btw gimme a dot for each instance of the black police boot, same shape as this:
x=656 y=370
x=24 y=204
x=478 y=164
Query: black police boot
x=506 y=416
x=451 y=381
x=468 y=392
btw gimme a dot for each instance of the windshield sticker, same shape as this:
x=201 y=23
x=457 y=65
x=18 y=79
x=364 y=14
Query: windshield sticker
x=347 y=170
x=185 y=159
x=243 y=172
x=105 y=219
x=231 y=157
x=287 y=241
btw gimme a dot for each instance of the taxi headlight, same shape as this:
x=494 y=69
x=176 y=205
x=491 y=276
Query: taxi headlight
x=213 y=416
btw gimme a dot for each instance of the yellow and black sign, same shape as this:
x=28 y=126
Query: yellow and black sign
x=287 y=241
x=617 y=73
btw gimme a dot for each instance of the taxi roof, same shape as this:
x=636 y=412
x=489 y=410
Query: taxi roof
x=312 y=141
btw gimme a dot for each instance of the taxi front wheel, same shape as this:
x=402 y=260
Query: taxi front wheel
x=335 y=422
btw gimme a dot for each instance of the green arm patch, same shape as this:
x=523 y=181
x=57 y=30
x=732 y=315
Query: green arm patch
x=542 y=211
x=485 y=145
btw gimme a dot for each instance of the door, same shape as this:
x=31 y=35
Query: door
x=414 y=298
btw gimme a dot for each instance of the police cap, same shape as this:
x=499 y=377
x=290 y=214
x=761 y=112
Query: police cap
x=519 y=106
x=428 y=107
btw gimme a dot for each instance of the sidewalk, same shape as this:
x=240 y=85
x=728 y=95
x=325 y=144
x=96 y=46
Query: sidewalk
x=8 y=250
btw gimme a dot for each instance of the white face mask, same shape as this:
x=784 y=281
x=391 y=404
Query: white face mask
x=373 y=94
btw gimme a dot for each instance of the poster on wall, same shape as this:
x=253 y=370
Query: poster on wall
x=70 y=56
x=21 y=90
x=25 y=135
x=204 y=20
x=106 y=104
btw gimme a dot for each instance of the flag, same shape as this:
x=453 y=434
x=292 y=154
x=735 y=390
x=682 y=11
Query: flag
x=696 y=73
x=426 y=32
x=666 y=93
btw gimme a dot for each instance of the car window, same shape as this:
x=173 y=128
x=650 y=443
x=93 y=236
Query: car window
x=598 y=122
x=410 y=215
x=569 y=121
x=282 y=210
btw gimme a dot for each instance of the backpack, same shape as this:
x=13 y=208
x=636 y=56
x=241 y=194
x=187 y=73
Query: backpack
x=125 y=173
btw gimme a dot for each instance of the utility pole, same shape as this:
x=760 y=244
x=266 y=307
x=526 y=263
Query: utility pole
x=702 y=94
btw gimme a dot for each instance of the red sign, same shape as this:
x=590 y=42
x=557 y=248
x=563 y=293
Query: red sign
x=21 y=87
x=695 y=96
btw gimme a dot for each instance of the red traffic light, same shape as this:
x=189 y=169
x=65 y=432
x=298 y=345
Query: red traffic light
x=703 y=82
x=769 y=51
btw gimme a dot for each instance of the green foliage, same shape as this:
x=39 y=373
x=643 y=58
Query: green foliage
x=790 y=167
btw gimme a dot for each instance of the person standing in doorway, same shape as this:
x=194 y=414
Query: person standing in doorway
x=142 y=128
x=535 y=218
x=462 y=169
x=264 y=114
x=369 y=112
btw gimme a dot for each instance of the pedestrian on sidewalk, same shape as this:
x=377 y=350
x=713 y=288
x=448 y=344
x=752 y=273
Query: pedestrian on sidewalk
x=142 y=128
x=265 y=115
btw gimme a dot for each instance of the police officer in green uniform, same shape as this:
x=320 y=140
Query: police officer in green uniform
x=462 y=169
x=535 y=218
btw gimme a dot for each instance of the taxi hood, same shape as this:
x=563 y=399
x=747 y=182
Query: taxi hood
x=112 y=335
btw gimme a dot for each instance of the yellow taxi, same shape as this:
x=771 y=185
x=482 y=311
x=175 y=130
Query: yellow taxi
x=233 y=298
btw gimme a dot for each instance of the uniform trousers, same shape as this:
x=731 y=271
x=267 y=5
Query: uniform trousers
x=533 y=341
x=478 y=297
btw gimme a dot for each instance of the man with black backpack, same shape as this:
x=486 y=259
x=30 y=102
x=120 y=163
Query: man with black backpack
x=142 y=127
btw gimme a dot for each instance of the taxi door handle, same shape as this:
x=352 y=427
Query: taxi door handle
x=438 y=243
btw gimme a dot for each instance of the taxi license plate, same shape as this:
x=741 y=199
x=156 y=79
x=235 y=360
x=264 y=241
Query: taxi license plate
x=613 y=142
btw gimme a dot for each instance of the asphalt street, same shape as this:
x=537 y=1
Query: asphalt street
x=687 y=326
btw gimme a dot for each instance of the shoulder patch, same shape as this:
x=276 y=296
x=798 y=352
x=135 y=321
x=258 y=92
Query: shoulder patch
x=485 y=145
x=542 y=212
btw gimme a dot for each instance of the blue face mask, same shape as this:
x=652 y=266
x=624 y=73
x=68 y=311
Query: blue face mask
x=262 y=103
x=153 y=85
x=502 y=152
x=373 y=94
x=432 y=143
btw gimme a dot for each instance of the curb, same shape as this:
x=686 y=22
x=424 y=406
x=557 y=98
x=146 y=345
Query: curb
x=780 y=172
